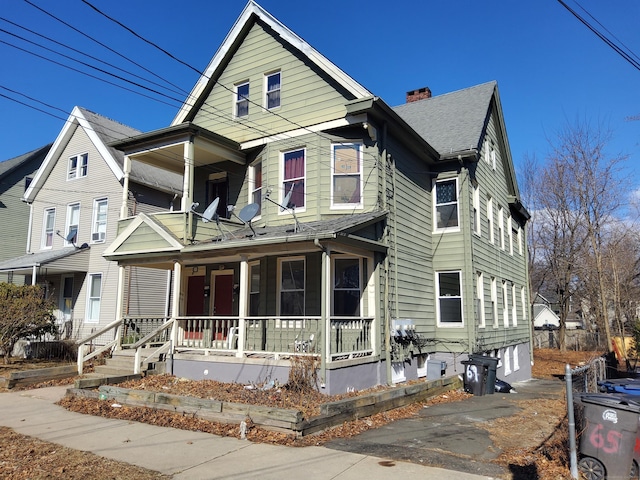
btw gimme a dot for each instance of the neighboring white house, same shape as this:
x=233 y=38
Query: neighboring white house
x=544 y=317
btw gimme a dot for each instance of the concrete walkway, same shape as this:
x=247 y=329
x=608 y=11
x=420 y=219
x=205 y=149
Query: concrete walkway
x=195 y=455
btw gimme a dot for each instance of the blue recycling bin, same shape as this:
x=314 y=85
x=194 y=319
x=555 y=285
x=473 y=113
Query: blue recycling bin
x=627 y=386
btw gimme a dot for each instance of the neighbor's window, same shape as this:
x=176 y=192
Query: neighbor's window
x=501 y=227
x=346 y=185
x=93 y=301
x=446 y=204
x=346 y=287
x=242 y=99
x=49 y=227
x=292 y=281
x=494 y=302
x=73 y=223
x=78 y=166
x=514 y=307
x=505 y=303
x=255 y=185
x=490 y=218
x=449 y=298
x=272 y=90
x=99 y=230
x=294 y=178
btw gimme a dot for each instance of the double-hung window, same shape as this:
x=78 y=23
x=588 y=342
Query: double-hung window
x=93 y=297
x=272 y=90
x=480 y=296
x=73 y=223
x=449 y=298
x=501 y=227
x=255 y=185
x=292 y=282
x=477 y=227
x=505 y=303
x=294 y=178
x=446 y=204
x=346 y=185
x=514 y=306
x=490 y=218
x=494 y=302
x=78 y=166
x=241 y=99
x=99 y=229
x=49 y=227
x=346 y=287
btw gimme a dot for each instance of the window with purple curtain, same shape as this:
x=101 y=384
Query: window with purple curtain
x=294 y=171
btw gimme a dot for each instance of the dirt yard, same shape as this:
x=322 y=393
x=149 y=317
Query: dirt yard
x=33 y=459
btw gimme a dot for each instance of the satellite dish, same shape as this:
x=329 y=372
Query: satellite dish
x=211 y=210
x=248 y=212
x=70 y=238
x=287 y=199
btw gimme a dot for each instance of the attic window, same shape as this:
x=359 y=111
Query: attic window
x=78 y=166
x=272 y=89
x=242 y=99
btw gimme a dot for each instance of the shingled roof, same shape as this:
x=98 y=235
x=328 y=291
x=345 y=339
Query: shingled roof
x=453 y=122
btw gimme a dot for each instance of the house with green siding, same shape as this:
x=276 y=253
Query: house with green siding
x=15 y=176
x=384 y=244
x=73 y=204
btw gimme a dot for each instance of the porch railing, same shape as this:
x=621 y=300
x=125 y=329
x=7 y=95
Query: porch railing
x=136 y=328
x=349 y=337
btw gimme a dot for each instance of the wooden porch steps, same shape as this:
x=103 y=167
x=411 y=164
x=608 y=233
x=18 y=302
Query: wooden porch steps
x=121 y=363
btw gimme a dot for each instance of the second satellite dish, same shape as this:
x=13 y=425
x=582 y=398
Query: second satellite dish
x=248 y=212
x=211 y=210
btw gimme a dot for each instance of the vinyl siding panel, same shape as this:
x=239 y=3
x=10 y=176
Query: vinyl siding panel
x=306 y=97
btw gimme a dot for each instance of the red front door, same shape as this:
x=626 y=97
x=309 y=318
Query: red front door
x=195 y=306
x=222 y=303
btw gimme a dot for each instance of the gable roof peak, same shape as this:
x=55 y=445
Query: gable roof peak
x=250 y=13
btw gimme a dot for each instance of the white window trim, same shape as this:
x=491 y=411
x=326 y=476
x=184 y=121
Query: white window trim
x=480 y=294
x=78 y=169
x=523 y=300
x=505 y=304
x=477 y=227
x=345 y=206
x=492 y=237
x=510 y=233
x=251 y=185
x=360 y=279
x=494 y=302
x=283 y=321
x=519 y=239
x=516 y=361
x=94 y=220
x=493 y=156
x=236 y=101
x=514 y=306
x=282 y=181
x=435 y=206
x=89 y=298
x=440 y=322
x=43 y=240
x=67 y=227
x=501 y=227
x=265 y=86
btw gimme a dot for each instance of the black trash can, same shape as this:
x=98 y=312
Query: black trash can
x=492 y=364
x=609 y=431
x=475 y=377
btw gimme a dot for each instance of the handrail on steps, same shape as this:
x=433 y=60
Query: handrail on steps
x=83 y=341
x=146 y=339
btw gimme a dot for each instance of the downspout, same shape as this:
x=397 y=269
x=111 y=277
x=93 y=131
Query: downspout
x=324 y=318
x=387 y=319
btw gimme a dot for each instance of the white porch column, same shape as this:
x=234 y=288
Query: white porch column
x=325 y=313
x=187 y=186
x=175 y=307
x=243 y=311
x=34 y=271
x=124 y=208
x=120 y=303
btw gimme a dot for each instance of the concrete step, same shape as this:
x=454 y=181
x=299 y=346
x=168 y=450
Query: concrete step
x=113 y=371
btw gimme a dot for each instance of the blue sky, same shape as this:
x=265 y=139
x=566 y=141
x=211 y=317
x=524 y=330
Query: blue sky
x=549 y=67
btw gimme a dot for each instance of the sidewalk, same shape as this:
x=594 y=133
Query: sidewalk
x=194 y=455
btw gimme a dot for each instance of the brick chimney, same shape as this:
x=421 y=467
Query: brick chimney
x=419 y=94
